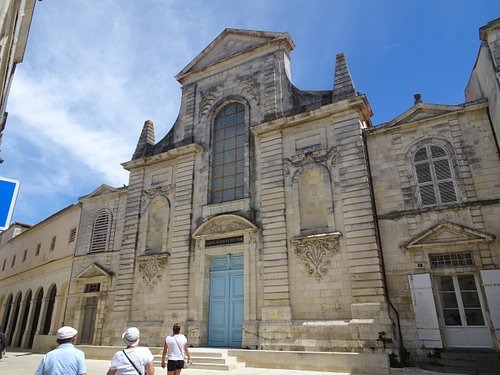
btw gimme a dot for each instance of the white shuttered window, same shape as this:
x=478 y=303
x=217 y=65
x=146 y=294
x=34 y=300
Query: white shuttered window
x=100 y=232
x=435 y=182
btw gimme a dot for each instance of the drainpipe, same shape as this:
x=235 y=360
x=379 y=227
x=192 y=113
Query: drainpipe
x=379 y=243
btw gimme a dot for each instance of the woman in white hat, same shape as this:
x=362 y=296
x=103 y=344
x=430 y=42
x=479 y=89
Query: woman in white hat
x=134 y=359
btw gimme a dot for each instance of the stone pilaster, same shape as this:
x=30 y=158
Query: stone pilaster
x=365 y=266
x=126 y=274
x=276 y=296
x=181 y=234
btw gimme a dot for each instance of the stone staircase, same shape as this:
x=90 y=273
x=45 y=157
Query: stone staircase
x=209 y=359
x=470 y=362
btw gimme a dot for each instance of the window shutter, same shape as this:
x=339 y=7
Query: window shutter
x=434 y=176
x=447 y=192
x=100 y=233
x=491 y=283
x=425 y=311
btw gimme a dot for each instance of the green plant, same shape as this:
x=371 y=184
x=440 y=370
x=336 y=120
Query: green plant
x=385 y=340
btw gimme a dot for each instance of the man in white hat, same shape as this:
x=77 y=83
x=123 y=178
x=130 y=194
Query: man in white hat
x=65 y=359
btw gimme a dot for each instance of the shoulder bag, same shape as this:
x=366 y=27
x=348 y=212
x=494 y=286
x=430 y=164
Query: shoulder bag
x=186 y=362
x=132 y=363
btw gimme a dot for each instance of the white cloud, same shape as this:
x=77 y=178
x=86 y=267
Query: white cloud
x=93 y=73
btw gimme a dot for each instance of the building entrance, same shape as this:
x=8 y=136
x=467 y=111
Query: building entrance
x=89 y=317
x=225 y=320
x=462 y=312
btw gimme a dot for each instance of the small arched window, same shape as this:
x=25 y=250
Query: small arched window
x=228 y=154
x=435 y=181
x=100 y=232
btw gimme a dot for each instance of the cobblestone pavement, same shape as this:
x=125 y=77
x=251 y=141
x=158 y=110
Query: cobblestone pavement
x=25 y=363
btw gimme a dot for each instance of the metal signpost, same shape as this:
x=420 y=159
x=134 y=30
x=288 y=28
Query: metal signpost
x=8 y=195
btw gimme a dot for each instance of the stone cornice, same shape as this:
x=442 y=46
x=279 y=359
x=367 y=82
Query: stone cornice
x=357 y=104
x=175 y=153
x=453 y=111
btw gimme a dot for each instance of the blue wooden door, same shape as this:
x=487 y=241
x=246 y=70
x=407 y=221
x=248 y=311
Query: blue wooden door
x=225 y=320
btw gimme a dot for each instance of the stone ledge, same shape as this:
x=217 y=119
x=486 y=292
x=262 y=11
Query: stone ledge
x=353 y=363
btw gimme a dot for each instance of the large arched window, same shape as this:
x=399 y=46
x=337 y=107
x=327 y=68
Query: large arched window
x=228 y=154
x=435 y=181
x=100 y=232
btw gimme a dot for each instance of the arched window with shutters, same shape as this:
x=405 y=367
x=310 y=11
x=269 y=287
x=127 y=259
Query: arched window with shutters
x=100 y=232
x=434 y=176
x=228 y=154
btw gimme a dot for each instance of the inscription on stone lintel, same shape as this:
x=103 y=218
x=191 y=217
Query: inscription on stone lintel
x=223 y=241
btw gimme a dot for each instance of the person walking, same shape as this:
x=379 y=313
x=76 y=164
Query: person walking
x=175 y=346
x=65 y=359
x=134 y=359
x=3 y=343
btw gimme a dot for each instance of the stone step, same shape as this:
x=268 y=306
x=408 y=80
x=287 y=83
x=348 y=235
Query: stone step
x=465 y=362
x=209 y=359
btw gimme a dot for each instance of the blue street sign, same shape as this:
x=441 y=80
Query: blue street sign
x=8 y=195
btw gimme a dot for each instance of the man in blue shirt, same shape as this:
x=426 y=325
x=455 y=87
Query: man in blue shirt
x=65 y=359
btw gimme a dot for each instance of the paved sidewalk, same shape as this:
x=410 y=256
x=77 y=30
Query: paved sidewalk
x=25 y=363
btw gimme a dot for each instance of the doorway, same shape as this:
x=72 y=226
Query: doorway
x=89 y=315
x=462 y=311
x=226 y=309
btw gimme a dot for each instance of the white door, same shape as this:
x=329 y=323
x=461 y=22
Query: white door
x=462 y=310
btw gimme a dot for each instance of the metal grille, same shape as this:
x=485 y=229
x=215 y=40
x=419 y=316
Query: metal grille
x=92 y=288
x=451 y=260
x=228 y=158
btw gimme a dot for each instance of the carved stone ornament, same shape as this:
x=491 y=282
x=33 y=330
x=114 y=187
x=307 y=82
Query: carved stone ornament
x=318 y=157
x=315 y=252
x=151 y=193
x=208 y=98
x=223 y=227
x=251 y=86
x=151 y=267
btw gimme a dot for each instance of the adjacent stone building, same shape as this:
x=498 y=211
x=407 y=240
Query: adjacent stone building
x=36 y=263
x=275 y=218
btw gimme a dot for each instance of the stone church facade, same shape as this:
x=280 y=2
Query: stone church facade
x=275 y=218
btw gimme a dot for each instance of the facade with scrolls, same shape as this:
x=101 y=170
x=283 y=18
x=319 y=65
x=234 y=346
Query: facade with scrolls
x=275 y=218
x=246 y=220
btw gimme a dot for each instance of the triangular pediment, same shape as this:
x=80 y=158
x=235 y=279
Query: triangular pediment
x=448 y=234
x=422 y=111
x=103 y=189
x=231 y=43
x=93 y=270
x=224 y=225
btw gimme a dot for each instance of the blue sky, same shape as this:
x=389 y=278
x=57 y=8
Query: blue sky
x=92 y=74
